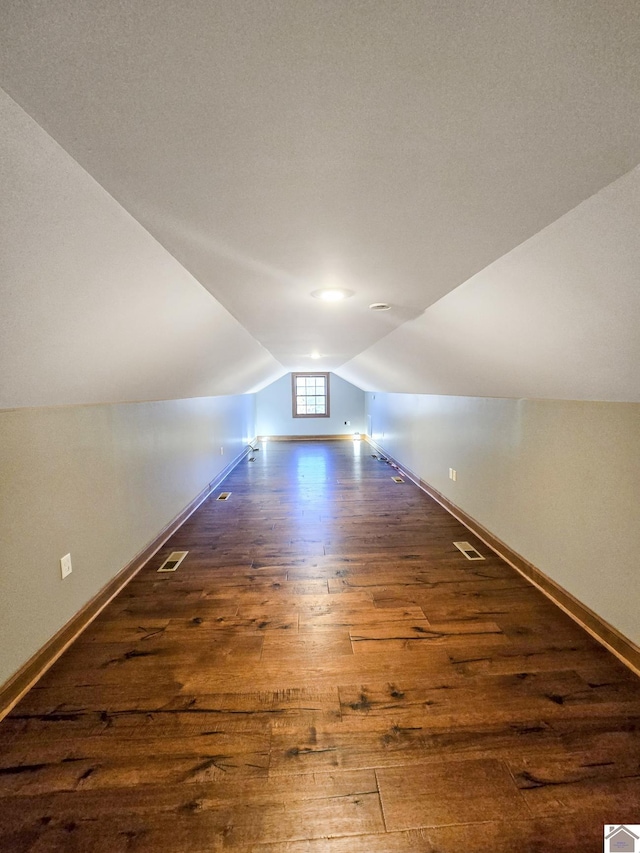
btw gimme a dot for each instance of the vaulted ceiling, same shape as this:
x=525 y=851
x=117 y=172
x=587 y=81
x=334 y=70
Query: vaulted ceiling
x=462 y=161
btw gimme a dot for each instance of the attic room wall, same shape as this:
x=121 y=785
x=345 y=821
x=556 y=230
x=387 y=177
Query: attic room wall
x=97 y=321
x=98 y=482
x=557 y=481
x=274 y=417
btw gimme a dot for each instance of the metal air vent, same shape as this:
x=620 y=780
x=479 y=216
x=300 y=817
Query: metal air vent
x=173 y=561
x=468 y=550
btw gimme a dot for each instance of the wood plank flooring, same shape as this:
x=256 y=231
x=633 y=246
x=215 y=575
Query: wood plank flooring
x=325 y=673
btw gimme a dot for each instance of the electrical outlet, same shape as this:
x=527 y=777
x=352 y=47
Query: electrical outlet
x=65 y=566
x=453 y=474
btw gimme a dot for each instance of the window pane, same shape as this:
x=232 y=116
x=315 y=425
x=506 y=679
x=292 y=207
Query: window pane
x=310 y=395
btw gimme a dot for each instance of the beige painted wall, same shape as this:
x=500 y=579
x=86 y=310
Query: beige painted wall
x=99 y=482
x=558 y=481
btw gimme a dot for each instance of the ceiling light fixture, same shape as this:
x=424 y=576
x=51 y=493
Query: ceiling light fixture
x=315 y=354
x=379 y=306
x=332 y=294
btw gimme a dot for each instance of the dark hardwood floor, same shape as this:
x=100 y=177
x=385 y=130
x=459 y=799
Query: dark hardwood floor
x=325 y=673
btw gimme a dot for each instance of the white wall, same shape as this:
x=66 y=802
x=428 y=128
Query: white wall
x=557 y=481
x=274 y=414
x=99 y=482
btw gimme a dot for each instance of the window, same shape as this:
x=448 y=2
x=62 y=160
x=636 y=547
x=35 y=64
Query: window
x=310 y=393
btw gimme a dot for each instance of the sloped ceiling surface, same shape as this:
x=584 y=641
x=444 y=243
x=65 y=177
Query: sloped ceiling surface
x=395 y=149
x=571 y=299
x=94 y=310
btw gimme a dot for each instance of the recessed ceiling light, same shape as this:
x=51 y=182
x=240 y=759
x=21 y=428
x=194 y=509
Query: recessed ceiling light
x=315 y=354
x=332 y=294
x=379 y=306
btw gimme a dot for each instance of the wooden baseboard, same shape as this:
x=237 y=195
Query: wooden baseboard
x=622 y=647
x=347 y=436
x=23 y=680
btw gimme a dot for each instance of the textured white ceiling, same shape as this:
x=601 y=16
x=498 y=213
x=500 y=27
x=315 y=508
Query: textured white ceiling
x=395 y=148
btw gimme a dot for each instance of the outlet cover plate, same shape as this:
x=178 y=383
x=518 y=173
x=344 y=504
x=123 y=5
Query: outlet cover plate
x=65 y=566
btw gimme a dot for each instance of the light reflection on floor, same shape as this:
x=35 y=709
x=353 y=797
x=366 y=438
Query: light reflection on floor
x=311 y=465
